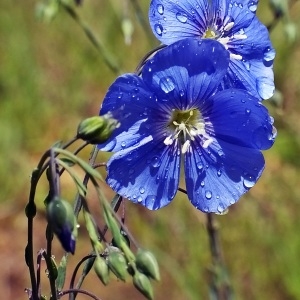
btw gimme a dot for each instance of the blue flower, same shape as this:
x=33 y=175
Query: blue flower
x=174 y=113
x=232 y=23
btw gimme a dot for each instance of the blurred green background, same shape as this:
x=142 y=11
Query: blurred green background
x=51 y=77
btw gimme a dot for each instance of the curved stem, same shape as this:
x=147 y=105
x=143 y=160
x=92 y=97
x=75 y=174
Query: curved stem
x=79 y=291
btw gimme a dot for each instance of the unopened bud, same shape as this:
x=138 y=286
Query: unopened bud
x=96 y=129
x=142 y=283
x=102 y=270
x=63 y=222
x=117 y=264
x=147 y=264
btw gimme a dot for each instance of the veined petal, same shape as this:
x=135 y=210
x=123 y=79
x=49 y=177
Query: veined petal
x=186 y=71
x=147 y=174
x=216 y=177
x=235 y=12
x=125 y=100
x=251 y=75
x=235 y=117
x=173 y=20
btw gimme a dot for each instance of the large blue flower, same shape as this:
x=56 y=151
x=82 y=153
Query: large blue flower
x=231 y=22
x=174 y=112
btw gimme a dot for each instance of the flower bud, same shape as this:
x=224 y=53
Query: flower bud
x=63 y=222
x=96 y=129
x=117 y=264
x=147 y=264
x=142 y=283
x=101 y=270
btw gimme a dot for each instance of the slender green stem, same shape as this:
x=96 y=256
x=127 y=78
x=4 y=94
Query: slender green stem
x=220 y=285
x=71 y=291
x=108 y=59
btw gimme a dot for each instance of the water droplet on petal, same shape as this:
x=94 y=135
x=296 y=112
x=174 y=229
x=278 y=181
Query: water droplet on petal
x=202 y=183
x=155 y=161
x=160 y=9
x=265 y=87
x=249 y=182
x=219 y=173
x=167 y=84
x=247 y=65
x=142 y=190
x=158 y=29
x=149 y=202
x=123 y=144
x=139 y=199
x=269 y=54
x=247 y=111
x=221 y=208
x=208 y=195
x=181 y=17
x=199 y=166
x=252 y=5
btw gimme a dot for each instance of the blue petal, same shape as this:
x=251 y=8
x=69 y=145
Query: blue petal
x=173 y=20
x=224 y=12
x=218 y=176
x=255 y=70
x=234 y=116
x=186 y=71
x=147 y=174
x=129 y=101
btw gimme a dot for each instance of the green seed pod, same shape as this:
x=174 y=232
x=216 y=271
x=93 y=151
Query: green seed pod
x=117 y=264
x=142 y=283
x=63 y=222
x=102 y=270
x=96 y=129
x=147 y=264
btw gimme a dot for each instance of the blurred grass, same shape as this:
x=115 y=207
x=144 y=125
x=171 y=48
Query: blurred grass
x=51 y=77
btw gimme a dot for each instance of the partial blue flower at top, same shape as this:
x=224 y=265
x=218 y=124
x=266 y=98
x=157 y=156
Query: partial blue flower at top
x=174 y=114
x=231 y=22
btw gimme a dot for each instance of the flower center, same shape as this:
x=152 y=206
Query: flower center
x=184 y=126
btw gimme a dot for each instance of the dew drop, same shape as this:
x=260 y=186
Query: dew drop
x=158 y=29
x=232 y=201
x=139 y=199
x=219 y=173
x=202 y=183
x=208 y=195
x=205 y=209
x=199 y=166
x=249 y=182
x=160 y=9
x=181 y=93
x=247 y=65
x=265 y=87
x=252 y=5
x=111 y=145
x=167 y=84
x=150 y=200
x=221 y=208
x=247 y=111
x=181 y=17
x=155 y=161
x=123 y=144
x=142 y=190
x=269 y=54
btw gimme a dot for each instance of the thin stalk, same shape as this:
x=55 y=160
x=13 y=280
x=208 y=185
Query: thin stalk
x=110 y=62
